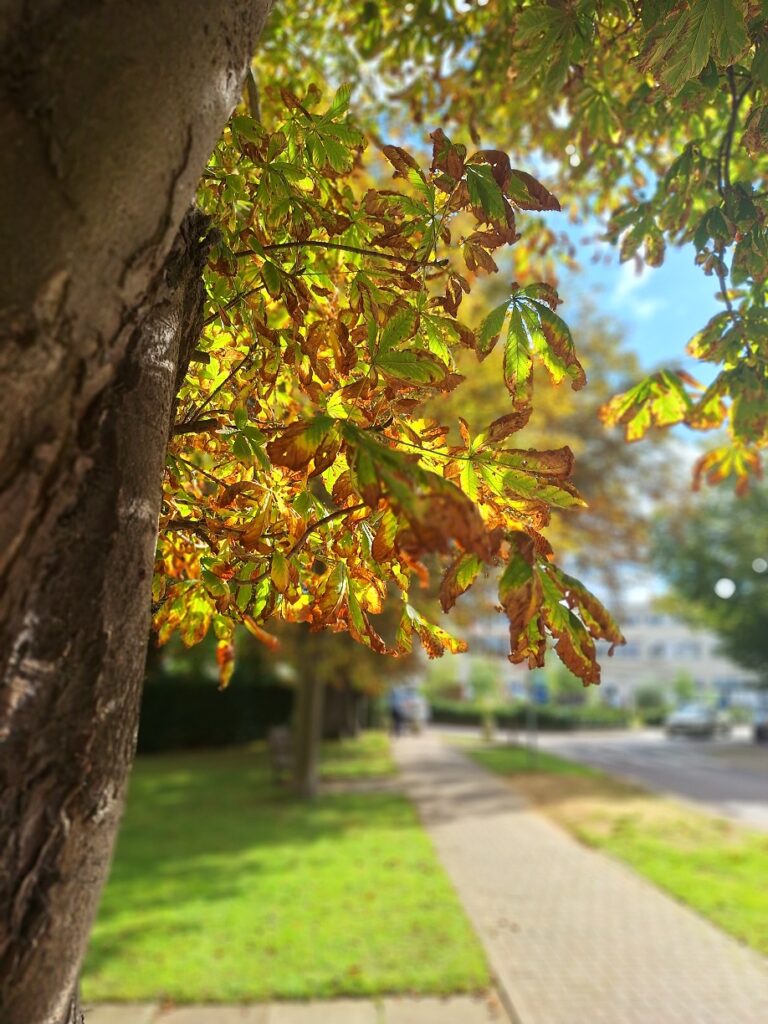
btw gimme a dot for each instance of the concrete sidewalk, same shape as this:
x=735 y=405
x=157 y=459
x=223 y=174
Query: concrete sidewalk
x=457 y=1010
x=573 y=937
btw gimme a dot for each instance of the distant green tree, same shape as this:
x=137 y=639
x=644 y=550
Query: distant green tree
x=650 y=697
x=714 y=555
x=563 y=686
x=684 y=687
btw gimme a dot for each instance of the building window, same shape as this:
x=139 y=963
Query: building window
x=688 y=650
x=629 y=650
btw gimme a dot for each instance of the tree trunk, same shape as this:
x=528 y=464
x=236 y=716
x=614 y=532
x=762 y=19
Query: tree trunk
x=308 y=735
x=341 y=711
x=108 y=111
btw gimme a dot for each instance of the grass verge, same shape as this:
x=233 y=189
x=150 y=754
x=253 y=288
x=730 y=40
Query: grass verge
x=226 y=889
x=715 y=866
x=368 y=756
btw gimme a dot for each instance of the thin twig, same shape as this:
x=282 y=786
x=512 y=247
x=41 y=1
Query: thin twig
x=232 y=302
x=199 y=469
x=736 y=101
x=192 y=414
x=339 y=514
x=193 y=526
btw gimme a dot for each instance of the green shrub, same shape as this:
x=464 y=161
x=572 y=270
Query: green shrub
x=515 y=716
x=186 y=713
x=182 y=707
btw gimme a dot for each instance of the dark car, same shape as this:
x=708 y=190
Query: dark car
x=697 y=720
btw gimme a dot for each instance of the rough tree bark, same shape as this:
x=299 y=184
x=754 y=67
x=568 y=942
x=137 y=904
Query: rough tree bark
x=108 y=111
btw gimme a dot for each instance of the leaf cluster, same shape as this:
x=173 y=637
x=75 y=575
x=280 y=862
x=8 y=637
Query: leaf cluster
x=304 y=481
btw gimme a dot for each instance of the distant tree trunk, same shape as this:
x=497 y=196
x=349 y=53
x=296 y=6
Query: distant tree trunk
x=108 y=112
x=308 y=735
x=341 y=711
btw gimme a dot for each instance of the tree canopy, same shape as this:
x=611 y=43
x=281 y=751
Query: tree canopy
x=305 y=480
x=715 y=559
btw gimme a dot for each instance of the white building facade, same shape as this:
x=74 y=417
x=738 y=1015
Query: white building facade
x=660 y=650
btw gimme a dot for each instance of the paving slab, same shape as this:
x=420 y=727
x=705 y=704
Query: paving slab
x=215 y=1014
x=337 y=1011
x=457 y=1010
x=572 y=936
x=120 y=1013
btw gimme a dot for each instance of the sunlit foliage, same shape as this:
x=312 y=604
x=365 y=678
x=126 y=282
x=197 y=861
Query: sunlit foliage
x=305 y=480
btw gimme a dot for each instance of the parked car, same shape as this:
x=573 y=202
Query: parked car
x=760 y=724
x=697 y=720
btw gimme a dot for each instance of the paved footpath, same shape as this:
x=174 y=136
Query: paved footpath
x=457 y=1010
x=572 y=936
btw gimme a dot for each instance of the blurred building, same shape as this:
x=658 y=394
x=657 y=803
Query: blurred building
x=660 y=649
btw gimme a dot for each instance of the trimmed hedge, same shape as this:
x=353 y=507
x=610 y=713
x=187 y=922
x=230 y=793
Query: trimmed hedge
x=180 y=713
x=516 y=717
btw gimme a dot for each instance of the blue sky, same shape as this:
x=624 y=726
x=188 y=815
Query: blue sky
x=660 y=309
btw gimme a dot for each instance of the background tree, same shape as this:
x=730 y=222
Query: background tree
x=714 y=555
x=332 y=676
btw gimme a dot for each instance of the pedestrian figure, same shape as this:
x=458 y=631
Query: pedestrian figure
x=397 y=709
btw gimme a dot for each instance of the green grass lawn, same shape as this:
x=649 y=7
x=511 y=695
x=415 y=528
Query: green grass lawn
x=226 y=889
x=715 y=866
x=368 y=756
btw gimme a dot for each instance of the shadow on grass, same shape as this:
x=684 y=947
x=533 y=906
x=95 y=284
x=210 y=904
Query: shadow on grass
x=225 y=887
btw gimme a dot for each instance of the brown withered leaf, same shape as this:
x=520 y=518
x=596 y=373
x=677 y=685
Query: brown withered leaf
x=476 y=257
x=303 y=441
x=225 y=659
x=437 y=519
x=528 y=193
x=508 y=424
x=402 y=161
x=446 y=156
x=499 y=164
x=343 y=489
x=554 y=462
x=581 y=657
x=268 y=639
x=384 y=539
x=458 y=578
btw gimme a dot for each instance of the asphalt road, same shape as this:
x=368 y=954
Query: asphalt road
x=726 y=776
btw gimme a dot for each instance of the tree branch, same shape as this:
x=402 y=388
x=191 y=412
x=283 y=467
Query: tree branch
x=339 y=514
x=339 y=247
x=195 y=426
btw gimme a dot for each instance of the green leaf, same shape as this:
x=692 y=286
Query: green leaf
x=529 y=486
x=411 y=366
x=340 y=100
x=484 y=191
x=490 y=329
x=400 y=327
x=271 y=277
x=468 y=479
x=681 y=47
x=518 y=364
